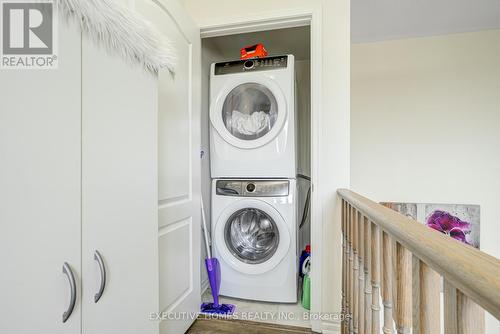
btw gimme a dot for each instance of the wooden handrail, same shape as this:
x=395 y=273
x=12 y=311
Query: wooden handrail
x=474 y=273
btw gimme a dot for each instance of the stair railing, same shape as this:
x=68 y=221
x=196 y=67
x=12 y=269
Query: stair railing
x=392 y=258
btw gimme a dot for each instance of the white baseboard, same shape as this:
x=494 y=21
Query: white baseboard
x=204 y=286
x=330 y=327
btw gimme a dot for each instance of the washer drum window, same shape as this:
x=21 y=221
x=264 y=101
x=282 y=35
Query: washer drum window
x=251 y=235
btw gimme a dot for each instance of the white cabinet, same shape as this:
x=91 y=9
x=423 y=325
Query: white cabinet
x=40 y=186
x=119 y=196
x=79 y=157
x=78 y=173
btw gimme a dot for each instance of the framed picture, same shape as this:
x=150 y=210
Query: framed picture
x=459 y=221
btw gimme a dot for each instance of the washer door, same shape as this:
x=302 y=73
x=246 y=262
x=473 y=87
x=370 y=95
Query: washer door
x=251 y=236
x=249 y=114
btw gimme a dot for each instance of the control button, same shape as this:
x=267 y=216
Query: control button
x=250 y=187
x=248 y=64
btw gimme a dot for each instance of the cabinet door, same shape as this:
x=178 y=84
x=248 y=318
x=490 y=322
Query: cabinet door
x=179 y=167
x=119 y=193
x=40 y=192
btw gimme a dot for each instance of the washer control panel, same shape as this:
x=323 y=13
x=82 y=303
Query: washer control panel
x=256 y=64
x=253 y=188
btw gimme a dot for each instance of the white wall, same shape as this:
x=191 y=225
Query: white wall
x=303 y=114
x=294 y=41
x=333 y=135
x=425 y=124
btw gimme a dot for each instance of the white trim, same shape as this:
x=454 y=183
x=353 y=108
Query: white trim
x=316 y=198
x=257 y=24
x=311 y=14
x=331 y=327
x=204 y=284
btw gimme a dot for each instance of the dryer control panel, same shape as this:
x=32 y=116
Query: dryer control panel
x=257 y=64
x=253 y=188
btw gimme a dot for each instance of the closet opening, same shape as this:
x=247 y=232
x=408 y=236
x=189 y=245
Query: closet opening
x=256 y=173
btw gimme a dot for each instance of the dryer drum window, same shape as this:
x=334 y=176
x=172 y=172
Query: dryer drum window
x=250 y=111
x=251 y=235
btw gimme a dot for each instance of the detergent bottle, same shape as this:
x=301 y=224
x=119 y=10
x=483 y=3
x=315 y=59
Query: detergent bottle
x=303 y=256
x=306 y=284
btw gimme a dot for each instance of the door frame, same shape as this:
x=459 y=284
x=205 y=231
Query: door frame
x=309 y=15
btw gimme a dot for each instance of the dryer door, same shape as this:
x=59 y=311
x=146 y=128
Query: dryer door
x=249 y=114
x=251 y=236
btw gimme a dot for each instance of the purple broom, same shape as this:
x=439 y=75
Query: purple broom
x=213 y=271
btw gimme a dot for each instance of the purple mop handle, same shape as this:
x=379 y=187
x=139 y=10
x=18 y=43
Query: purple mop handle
x=213 y=271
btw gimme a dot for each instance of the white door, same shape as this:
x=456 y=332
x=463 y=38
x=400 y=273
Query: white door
x=119 y=194
x=40 y=193
x=179 y=167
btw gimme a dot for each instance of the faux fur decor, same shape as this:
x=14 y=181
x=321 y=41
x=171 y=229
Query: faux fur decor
x=123 y=31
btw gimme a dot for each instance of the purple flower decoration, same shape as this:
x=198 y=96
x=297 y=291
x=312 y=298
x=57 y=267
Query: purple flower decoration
x=448 y=224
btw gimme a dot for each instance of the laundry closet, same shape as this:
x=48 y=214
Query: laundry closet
x=256 y=168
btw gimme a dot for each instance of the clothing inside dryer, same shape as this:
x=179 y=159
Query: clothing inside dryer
x=250 y=111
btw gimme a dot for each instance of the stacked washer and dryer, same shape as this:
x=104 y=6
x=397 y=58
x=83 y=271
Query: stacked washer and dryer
x=253 y=167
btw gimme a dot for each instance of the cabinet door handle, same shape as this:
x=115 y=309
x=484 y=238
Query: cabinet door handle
x=98 y=258
x=71 y=278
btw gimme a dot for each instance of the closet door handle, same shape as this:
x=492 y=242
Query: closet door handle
x=71 y=278
x=98 y=258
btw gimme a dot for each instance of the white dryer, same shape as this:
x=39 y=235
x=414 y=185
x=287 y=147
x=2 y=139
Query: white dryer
x=252 y=116
x=254 y=238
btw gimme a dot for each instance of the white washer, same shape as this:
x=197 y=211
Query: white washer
x=254 y=238
x=252 y=116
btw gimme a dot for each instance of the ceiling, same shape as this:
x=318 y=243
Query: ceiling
x=376 y=20
x=294 y=41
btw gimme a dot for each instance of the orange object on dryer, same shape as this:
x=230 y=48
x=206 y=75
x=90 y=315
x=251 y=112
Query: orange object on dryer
x=253 y=51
